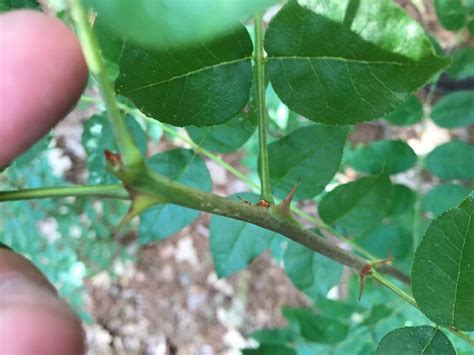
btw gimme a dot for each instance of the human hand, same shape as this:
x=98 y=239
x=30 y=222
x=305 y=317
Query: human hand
x=42 y=75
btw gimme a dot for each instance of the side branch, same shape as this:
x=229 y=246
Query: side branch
x=105 y=191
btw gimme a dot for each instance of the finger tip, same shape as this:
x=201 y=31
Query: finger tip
x=33 y=320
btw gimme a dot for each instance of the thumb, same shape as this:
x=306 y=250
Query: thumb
x=33 y=319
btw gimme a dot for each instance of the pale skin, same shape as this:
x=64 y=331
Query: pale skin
x=42 y=75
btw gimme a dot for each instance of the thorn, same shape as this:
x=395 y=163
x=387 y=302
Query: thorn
x=286 y=203
x=140 y=202
x=284 y=208
x=366 y=271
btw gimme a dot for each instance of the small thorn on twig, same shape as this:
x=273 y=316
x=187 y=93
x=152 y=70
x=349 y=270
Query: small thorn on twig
x=286 y=203
x=366 y=271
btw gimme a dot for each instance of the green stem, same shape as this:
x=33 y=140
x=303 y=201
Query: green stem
x=320 y=224
x=408 y=298
x=266 y=189
x=131 y=156
x=105 y=191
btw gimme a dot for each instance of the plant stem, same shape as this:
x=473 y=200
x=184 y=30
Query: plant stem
x=105 y=191
x=408 y=298
x=266 y=189
x=214 y=157
x=131 y=156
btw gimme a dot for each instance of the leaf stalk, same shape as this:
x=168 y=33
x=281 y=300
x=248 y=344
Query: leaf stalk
x=131 y=156
x=259 y=68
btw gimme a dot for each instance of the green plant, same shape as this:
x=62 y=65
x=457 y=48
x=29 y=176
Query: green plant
x=337 y=63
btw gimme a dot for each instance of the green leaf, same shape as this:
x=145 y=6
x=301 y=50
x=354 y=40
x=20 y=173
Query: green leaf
x=451 y=14
x=316 y=328
x=357 y=206
x=275 y=335
x=226 y=137
x=415 y=341
x=408 y=113
x=454 y=110
x=310 y=272
x=452 y=160
x=6 y=5
x=169 y=24
x=403 y=199
x=202 y=85
x=342 y=62
x=443 y=269
x=470 y=26
x=270 y=349
x=376 y=314
x=180 y=165
x=97 y=136
x=396 y=155
x=386 y=240
x=443 y=197
x=462 y=64
x=234 y=244
x=310 y=155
